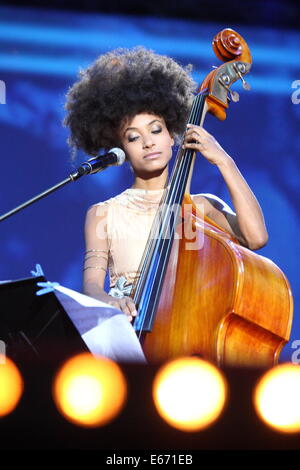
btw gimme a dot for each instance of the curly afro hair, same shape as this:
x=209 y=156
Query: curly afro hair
x=119 y=85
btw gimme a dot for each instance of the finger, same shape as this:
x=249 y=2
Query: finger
x=194 y=138
x=126 y=310
x=193 y=141
x=193 y=135
x=120 y=306
x=198 y=128
x=192 y=145
x=132 y=308
x=192 y=132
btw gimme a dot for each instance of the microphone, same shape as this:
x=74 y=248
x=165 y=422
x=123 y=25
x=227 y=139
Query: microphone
x=114 y=156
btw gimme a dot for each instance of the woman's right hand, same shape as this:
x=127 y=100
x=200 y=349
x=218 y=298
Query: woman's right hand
x=125 y=304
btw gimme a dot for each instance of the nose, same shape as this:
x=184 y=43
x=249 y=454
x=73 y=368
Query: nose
x=148 y=142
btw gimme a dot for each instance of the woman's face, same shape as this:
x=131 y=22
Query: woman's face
x=147 y=143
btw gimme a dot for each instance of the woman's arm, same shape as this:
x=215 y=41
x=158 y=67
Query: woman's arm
x=96 y=261
x=96 y=254
x=250 y=225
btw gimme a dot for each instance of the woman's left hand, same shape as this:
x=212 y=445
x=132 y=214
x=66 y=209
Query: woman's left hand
x=198 y=139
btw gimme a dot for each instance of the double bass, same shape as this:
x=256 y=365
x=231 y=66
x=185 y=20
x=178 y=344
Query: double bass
x=199 y=292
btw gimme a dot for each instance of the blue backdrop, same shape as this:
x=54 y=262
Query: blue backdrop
x=40 y=55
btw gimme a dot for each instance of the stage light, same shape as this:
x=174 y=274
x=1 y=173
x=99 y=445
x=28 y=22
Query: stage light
x=189 y=393
x=89 y=391
x=11 y=386
x=277 y=398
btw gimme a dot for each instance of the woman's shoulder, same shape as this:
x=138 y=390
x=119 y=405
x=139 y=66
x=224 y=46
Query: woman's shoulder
x=110 y=201
x=101 y=208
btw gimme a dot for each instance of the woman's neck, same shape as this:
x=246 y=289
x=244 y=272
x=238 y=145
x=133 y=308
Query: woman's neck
x=157 y=182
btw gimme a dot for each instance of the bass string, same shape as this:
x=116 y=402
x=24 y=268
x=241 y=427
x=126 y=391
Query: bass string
x=162 y=243
x=179 y=171
x=157 y=225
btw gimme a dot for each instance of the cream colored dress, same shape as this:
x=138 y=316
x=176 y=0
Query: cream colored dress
x=129 y=220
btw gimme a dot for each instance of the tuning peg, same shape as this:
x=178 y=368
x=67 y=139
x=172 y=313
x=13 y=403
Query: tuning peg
x=240 y=68
x=246 y=85
x=233 y=94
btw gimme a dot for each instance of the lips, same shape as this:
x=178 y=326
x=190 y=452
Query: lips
x=152 y=155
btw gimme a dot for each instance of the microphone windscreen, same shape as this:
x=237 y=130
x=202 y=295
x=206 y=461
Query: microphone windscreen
x=120 y=155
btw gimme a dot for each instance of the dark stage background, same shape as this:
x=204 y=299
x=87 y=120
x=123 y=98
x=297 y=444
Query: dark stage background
x=41 y=51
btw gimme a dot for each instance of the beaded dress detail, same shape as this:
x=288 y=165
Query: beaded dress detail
x=130 y=217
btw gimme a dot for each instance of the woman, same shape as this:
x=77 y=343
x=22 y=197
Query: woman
x=140 y=101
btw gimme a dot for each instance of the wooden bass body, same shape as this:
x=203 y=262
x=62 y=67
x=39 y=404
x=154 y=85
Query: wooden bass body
x=219 y=300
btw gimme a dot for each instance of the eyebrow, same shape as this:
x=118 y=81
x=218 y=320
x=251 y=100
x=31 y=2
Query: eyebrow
x=135 y=128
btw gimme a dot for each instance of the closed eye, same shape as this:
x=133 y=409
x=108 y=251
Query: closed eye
x=132 y=139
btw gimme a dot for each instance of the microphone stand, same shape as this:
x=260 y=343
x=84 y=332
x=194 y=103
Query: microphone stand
x=86 y=168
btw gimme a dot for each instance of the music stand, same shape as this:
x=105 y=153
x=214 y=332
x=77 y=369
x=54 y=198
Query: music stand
x=35 y=327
